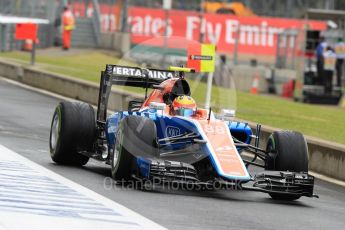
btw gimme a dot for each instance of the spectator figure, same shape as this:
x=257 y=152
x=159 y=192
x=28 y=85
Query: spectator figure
x=320 y=49
x=68 y=25
x=340 y=52
x=329 y=58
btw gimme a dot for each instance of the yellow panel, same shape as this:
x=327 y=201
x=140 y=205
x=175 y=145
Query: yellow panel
x=181 y=69
x=208 y=50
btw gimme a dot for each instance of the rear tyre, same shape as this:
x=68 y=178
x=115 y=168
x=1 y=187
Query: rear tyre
x=287 y=151
x=73 y=129
x=136 y=136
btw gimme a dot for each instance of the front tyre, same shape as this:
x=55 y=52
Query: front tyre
x=73 y=129
x=136 y=137
x=287 y=151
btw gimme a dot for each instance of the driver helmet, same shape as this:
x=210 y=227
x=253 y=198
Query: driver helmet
x=184 y=106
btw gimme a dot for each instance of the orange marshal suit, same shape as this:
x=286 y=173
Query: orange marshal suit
x=68 y=26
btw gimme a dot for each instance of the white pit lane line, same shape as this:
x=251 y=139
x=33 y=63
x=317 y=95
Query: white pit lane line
x=33 y=197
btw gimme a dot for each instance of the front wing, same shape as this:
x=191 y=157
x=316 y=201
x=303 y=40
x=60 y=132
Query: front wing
x=274 y=182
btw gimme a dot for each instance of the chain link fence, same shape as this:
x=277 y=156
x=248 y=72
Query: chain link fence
x=44 y=9
x=274 y=8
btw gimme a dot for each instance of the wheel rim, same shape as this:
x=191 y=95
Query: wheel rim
x=115 y=156
x=54 y=137
x=116 y=150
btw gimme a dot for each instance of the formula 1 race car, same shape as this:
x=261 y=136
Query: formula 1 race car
x=166 y=138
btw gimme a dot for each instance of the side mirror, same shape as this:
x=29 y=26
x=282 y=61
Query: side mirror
x=228 y=114
x=157 y=106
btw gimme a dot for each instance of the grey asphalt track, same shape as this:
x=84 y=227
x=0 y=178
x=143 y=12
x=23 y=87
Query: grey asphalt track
x=25 y=118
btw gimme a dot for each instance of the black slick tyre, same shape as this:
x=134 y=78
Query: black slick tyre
x=136 y=136
x=287 y=151
x=73 y=129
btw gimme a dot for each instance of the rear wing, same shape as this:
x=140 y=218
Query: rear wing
x=127 y=76
x=138 y=77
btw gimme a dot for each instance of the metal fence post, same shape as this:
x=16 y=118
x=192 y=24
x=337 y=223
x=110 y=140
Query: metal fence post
x=96 y=21
x=124 y=16
x=236 y=45
x=33 y=52
x=2 y=37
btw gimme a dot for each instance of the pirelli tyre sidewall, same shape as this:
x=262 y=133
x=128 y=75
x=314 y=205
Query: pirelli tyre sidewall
x=73 y=129
x=136 y=137
x=287 y=151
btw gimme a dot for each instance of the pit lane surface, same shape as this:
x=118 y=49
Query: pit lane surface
x=25 y=118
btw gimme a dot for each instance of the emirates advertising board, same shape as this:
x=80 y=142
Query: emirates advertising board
x=256 y=35
x=253 y=34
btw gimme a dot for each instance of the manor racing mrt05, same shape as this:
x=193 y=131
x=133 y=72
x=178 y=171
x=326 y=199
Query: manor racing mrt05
x=167 y=138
